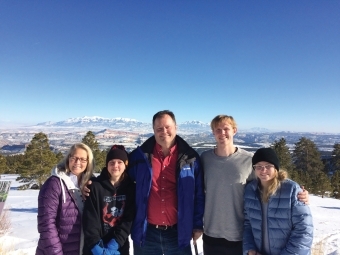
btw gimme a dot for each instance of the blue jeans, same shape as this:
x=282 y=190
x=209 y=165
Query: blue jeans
x=159 y=242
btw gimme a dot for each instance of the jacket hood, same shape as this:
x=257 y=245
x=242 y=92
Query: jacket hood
x=63 y=176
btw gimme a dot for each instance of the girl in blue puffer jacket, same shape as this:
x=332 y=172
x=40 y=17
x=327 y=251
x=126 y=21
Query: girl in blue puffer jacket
x=275 y=221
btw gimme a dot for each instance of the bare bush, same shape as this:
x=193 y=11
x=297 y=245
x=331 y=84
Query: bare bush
x=318 y=248
x=5 y=222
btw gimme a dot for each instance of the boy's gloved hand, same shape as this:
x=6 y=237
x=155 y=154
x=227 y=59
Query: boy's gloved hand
x=98 y=249
x=112 y=247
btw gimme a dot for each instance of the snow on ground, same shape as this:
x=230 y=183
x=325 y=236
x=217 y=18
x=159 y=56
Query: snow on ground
x=23 y=235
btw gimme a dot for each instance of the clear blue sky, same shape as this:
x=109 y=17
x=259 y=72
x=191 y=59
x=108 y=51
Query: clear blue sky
x=271 y=64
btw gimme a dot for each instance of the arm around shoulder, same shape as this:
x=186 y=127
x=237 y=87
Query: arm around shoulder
x=303 y=195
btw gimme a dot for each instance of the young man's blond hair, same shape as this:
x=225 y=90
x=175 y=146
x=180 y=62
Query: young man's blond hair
x=221 y=119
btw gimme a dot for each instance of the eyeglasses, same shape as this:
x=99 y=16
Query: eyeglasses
x=75 y=159
x=260 y=167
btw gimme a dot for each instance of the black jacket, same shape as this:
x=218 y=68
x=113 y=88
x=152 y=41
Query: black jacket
x=108 y=212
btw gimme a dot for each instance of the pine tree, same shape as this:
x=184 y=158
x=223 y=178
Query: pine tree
x=90 y=140
x=336 y=157
x=335 y=181
x=14 y=162
x=295 y=176
x=39 y=160
x=307 y=159
x=3 y=165
x=306 y=156
x=101 y=159
x=59 y=156
x=323 y=183
x=306 y=180
x=285 y=158
x=282 y=151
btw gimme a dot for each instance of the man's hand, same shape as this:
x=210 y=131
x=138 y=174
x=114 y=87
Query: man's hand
x=303 y=196
x=196 y=233
x=86 y=189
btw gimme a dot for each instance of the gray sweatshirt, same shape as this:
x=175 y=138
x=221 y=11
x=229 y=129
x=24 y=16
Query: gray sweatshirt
x=224 y=180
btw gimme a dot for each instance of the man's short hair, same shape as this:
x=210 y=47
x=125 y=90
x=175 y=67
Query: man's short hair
x=223 y=118
x=160 y=114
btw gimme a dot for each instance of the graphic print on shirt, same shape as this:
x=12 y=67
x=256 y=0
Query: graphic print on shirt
x=113 y=210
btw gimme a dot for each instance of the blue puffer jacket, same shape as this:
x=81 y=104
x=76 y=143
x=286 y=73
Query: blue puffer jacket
x=189 y=189
x=289 y=221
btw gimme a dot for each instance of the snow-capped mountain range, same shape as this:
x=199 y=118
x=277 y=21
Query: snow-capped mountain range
x=87 y=120
x=119 y=123
x=131 y=132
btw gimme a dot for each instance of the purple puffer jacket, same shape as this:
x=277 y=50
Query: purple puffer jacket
x=59 y=220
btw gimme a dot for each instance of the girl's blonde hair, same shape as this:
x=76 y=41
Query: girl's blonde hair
x=273 y=186
x=87 y=174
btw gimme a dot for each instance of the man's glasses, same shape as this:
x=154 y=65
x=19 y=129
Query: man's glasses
x=75 y=159
x=260 y=167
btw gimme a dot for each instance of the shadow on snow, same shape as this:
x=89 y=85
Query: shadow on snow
x=28 y=210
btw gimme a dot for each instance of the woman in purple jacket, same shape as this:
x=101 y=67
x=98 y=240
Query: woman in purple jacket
x=60 y=204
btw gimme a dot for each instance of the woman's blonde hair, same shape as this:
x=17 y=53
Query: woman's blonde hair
x=273 y=186
x=87 y=174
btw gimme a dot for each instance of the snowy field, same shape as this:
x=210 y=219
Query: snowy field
x=23 y=236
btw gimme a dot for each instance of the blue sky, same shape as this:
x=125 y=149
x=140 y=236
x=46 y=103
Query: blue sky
x=271 y=64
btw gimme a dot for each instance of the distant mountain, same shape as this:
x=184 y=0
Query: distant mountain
x=126 y=124
x=257 y=130
x=193 y=126
x=95 y=120
x=100 y=123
